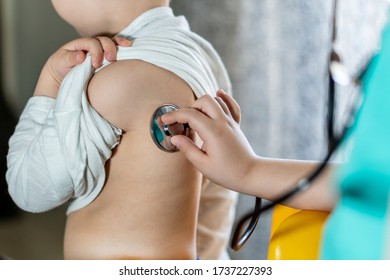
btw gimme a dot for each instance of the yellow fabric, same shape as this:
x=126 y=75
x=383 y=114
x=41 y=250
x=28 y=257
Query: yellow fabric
x=295 y=234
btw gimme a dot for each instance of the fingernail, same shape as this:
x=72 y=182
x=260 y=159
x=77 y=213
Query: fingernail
x=96 y=63
x=123 y=42
x=175 y=142
x=110 y=56
x=79 y=57
x=128 y=43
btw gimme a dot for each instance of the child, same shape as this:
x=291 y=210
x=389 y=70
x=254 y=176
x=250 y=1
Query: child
x=91 y=145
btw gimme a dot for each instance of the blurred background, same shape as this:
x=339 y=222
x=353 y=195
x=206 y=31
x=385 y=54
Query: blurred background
x=275 y=51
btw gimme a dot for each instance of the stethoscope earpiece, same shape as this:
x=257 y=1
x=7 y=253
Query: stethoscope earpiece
x=161 y=132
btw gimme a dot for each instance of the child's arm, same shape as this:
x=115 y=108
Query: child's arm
x=35 y=139
x=227 y=158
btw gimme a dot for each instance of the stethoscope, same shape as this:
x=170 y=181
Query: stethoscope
x=161 y=134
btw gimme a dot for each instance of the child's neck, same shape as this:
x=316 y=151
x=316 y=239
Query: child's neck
x=131 y=12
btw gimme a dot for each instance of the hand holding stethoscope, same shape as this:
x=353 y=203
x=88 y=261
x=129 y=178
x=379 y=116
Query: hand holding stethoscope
x=225 y=149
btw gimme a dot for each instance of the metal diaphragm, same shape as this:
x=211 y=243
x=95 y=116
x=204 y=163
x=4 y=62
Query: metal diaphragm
x=162 y=133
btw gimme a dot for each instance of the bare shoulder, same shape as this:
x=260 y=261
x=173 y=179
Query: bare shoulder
x=129 y=90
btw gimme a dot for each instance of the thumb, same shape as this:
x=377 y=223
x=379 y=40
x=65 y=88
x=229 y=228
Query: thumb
x=195 y=155
x=60 y=63
x=66 y=59
x=75 y=58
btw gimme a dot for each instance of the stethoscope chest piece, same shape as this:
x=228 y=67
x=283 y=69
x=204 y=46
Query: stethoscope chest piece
x=162 y=133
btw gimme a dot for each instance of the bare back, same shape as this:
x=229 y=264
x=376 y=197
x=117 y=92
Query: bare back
x=148 y=206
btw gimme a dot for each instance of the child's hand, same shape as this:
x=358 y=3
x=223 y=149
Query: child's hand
x=225 y=156
x=71 y=54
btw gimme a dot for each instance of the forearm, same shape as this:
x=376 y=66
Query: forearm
x=270 y=178
x=46 y=84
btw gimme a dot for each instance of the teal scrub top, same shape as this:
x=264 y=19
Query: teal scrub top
x=357 y=227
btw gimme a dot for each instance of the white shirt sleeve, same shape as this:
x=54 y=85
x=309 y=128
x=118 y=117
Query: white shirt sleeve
x=59 y=148
x=37 y=177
